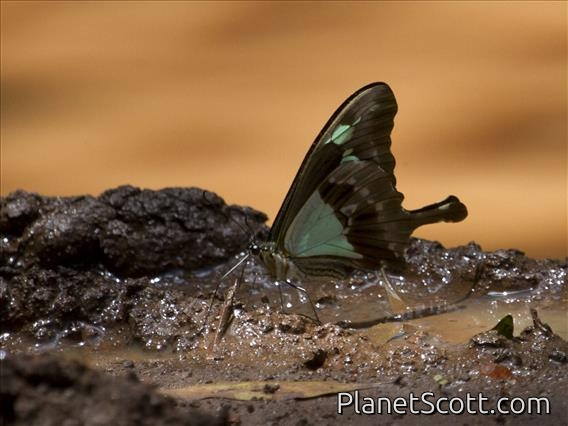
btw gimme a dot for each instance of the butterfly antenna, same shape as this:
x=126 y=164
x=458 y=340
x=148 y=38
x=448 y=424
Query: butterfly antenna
x=230 y=218
x=249 y=228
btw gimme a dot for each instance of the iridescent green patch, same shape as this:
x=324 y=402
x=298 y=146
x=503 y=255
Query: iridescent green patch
x=316 y=231
x=347 y=158
x=341 y=134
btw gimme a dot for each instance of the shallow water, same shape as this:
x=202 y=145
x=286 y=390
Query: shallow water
x=452 y=308
x=458 y=326
x=482 y=314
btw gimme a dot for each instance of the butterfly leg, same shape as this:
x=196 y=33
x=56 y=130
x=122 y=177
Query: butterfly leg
x=395 y=301
x=303 y=290
x=279 y=285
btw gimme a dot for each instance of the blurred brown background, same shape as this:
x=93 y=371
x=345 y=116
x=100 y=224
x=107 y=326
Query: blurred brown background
x=229 y=96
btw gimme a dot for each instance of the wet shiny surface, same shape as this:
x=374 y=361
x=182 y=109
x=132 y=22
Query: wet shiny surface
x=160 y=329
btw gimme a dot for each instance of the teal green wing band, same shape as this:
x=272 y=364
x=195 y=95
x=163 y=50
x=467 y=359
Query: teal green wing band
x=316 y=231
x=355 y=213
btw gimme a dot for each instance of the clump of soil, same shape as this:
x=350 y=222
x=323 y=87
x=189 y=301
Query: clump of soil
x=127 y=231
x=47 y=390
x=124 y=280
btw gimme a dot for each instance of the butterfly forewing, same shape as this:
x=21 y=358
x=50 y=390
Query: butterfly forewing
x=358 y=130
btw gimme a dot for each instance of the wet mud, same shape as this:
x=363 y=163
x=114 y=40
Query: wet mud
x=108 y=318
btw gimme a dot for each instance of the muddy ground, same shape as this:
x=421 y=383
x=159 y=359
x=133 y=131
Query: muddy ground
x=106 y=319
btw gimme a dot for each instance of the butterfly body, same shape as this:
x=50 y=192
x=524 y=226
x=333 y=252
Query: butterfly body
x=343 y=210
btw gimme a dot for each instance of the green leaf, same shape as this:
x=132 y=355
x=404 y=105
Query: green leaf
x=505 y=327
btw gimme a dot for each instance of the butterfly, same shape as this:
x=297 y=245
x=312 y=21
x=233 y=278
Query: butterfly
x=343 y=210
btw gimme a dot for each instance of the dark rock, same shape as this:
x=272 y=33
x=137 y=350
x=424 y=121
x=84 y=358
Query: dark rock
x=316 y=359
x=497 y=272
x=128 y=231
x=17 y=211
x=490 y=338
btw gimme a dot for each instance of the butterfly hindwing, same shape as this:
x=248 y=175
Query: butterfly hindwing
x=355 y=213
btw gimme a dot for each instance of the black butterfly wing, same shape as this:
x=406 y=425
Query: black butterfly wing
x=371 y=141
x=343 y=205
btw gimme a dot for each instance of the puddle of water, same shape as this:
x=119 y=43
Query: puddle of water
x=360 y=299
x=366 y=298
x=459 y=326
x=483 y=314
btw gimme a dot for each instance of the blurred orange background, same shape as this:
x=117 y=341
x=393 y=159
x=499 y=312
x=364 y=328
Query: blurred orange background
x=229 y=96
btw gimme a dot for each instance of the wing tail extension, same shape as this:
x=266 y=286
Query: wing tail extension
x=449 y=210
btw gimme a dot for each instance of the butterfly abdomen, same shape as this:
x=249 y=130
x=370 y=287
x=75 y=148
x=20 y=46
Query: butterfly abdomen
x=449 y=210
x=278 y=263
